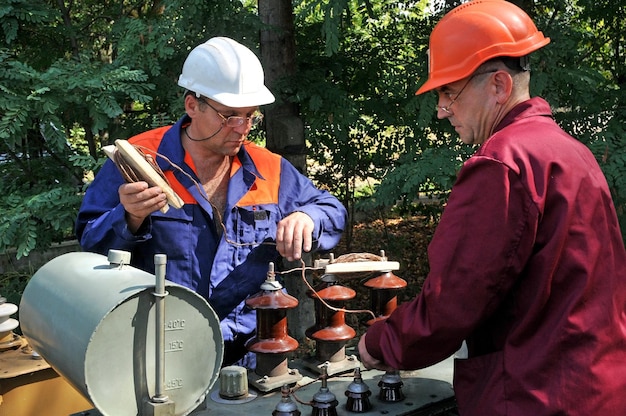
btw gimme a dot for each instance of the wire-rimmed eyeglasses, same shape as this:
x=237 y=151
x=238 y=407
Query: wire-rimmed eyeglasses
x=235 y=121
x=446 y=108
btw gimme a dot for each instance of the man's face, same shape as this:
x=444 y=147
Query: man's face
x=231 y=124
x=467 y=104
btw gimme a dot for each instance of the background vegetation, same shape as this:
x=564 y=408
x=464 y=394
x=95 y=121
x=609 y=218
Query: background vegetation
x=76 y=75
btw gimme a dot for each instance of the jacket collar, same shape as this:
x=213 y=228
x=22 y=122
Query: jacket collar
x=536 y=106
x=172 y=146
x=246 y=162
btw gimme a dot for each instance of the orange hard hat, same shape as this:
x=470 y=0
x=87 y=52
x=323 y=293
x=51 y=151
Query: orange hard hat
x=475 y=32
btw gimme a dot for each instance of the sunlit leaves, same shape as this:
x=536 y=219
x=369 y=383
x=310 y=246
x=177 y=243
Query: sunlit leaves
x=360 y=108
x=74 y=76
x=36 y=218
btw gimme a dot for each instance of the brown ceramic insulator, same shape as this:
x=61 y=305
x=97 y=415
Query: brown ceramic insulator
x=330 y=331
x=330 y=325
x=272 y=343
x=384 y=294
x=272 y=364
x=386 y=280
x=271 y=308
x=382 y=303
x=332 y=292
x=272 y=337
x=272 y=299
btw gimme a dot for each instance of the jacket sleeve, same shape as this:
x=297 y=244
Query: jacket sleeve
x=481 y=244
x=101 y=222
x=298 y=193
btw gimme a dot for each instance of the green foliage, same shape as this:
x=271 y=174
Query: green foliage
x=356 y=84
x=582 y=73
x=361 y=109
x=36 y=217
x=75 y=76
x=12 y=286
x=13 y=12
x=358 y=104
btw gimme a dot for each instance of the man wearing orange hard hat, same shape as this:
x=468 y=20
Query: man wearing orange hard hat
x=527 y=265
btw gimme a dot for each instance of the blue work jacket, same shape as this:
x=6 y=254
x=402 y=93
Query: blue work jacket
x=223 y=264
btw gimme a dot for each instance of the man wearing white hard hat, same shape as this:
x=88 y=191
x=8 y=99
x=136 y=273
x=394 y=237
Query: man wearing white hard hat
x=243 y=205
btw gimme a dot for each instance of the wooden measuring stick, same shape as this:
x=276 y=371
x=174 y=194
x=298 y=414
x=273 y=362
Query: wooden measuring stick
x=144 y=170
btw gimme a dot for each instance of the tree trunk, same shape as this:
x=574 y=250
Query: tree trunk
x=285 y=132
x=284 y=127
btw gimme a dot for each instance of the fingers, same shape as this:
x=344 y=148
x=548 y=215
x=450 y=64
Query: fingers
x=294 y=234
x=367 y=360
x=139 y=201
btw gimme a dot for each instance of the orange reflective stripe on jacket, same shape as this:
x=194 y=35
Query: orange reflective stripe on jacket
x=265 y=188
x=263 y=191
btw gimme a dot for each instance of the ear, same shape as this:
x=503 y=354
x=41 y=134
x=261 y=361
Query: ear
x=503 y=82
x=192 y=106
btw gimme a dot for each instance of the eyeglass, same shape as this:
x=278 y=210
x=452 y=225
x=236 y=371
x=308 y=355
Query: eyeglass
x=235 y=121
x=446 y=108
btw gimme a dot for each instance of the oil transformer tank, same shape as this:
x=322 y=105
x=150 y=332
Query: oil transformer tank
x=95 y=320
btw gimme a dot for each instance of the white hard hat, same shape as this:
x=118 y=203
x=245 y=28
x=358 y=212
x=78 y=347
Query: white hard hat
x=227 y=72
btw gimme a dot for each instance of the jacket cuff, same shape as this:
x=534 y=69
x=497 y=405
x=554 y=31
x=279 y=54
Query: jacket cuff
x=121 y=227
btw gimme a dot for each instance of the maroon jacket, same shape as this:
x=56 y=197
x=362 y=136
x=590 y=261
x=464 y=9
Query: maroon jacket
x=528 y=265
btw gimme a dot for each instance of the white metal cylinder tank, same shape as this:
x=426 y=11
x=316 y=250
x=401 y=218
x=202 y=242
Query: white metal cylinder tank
x=93 y=321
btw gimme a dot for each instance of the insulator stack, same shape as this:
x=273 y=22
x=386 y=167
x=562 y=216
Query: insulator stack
x=358 y=394
x=330 y=331
x=272 y=342
x=384 y=293
x=324 y=402
x=8 y=339
x=391 y=387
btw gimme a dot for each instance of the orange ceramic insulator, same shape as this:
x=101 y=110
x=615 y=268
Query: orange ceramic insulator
x=330 y=325
x=272 y=342
x=384 y=294
x=330 y=330
x=271 y=312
